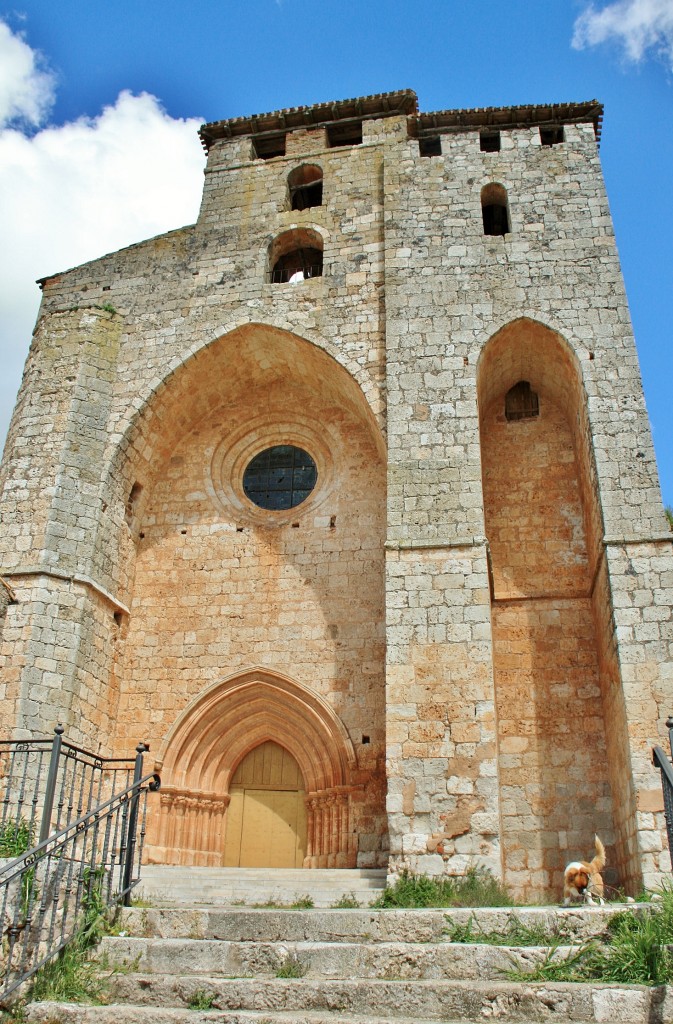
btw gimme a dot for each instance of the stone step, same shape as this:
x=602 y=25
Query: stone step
x=163 y=884
x=393 y=960
x=71 y=1013
x=434 y=1000
x=432 y=925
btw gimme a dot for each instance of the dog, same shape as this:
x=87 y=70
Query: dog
x=582 y=880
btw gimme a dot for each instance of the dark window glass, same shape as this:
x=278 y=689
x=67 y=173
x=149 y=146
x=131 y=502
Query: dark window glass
x=280 y=477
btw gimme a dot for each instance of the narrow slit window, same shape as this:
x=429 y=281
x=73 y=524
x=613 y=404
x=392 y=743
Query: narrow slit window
x=521 y=402
x=494 y=210
x=132 y=502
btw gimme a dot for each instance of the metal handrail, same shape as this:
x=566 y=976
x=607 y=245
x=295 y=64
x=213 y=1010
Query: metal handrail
x=663 y=763
x=93 y=862
x=76 y=780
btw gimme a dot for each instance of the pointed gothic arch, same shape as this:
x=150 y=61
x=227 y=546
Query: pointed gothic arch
x=214 y=734
x=557 y=721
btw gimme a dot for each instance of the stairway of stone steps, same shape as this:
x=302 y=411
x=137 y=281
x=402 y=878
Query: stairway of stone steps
x=216 y=962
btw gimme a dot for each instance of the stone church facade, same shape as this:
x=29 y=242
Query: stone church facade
x=344 y=499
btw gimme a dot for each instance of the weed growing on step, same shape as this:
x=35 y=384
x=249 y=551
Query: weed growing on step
x=516 y=934
x=14 y=1014
x=201 y=999
x=346 y=902
x=72 y=977
x=16 y=837
x=291 y=967
x=304 y=902
x=636 y=951
x=477 y=888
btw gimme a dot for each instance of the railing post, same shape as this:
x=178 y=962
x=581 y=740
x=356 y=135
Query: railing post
x=132 y=824
x=669 y=726
x=45 y=826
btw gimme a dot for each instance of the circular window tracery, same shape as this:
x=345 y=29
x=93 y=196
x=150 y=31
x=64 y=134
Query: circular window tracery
x=280 y=477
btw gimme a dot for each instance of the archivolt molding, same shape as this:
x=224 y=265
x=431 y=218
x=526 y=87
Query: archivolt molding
x=233 y=716
x=127 y=431
x=564 y=331
x=227 y=462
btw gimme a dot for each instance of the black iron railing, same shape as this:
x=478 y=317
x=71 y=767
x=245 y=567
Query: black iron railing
x=295 y=274
x=88 y=866
x=663 y=763
x=47 y=783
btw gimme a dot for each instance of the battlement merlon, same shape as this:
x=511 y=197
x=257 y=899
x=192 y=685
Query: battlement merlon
x=403 y=102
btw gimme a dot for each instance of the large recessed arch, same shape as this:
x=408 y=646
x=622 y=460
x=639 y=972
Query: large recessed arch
x=558 y=720
x=192 y=387
x=211 y=738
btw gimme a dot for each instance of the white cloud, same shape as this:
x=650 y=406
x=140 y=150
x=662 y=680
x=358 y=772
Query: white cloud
x=73 y=192
x=26 y=90
x=639 y=25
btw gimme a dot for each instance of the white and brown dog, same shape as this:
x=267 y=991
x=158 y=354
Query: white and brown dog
x=582 y=880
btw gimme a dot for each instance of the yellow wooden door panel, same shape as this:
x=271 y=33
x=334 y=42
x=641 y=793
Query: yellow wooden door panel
x=268 y=765
x=266 y=818
x=234 y=827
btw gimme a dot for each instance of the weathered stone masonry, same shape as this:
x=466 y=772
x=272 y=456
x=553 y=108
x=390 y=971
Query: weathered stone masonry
x=461 y=639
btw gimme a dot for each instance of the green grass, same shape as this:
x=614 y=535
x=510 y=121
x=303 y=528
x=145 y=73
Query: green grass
x=477 y=888
x=291 y=967
x=634 y=952
x=346 y=902
x=517 y=934
x=202 y=1000
x=72 y=977
x=302 y=903
x=16 y=837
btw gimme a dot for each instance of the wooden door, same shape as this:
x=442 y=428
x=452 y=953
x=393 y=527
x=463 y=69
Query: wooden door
x=266 y=818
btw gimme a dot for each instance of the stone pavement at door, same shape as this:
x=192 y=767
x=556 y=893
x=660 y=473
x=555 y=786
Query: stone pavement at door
x=166 y=884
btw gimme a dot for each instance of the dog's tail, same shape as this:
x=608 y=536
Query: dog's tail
x=598 y=863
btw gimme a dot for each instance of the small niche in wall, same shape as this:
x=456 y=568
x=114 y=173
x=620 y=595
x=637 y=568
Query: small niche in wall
x=132 y=503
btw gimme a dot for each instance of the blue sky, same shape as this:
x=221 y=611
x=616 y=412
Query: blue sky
x=100 y=101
